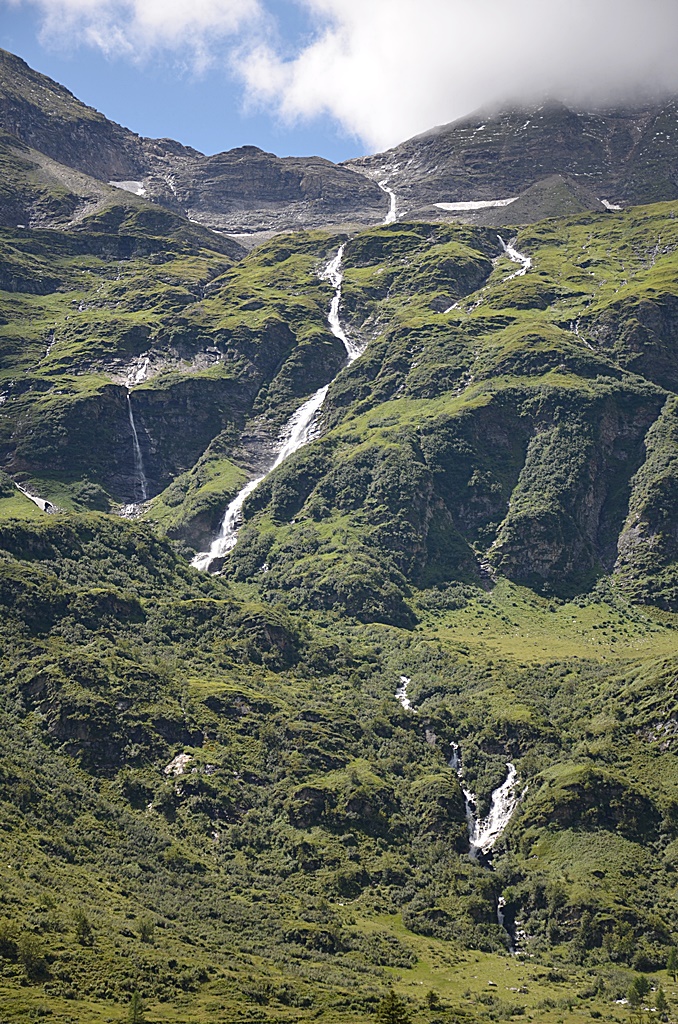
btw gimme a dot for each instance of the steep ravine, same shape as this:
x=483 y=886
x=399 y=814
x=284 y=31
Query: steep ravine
x=298 y=431
x=483 y=832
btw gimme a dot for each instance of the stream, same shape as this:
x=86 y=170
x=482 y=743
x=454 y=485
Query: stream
x=483 y=833
x=515 y=257
x=299 y=430
x=140 y=482
x=392 y=214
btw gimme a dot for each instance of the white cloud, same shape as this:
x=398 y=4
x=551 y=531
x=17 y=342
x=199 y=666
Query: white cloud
x=388 y=69
x=134 y=27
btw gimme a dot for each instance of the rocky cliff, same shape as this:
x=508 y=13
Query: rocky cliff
x=622 y=156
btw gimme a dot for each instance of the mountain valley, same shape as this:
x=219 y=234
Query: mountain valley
x=415 y=731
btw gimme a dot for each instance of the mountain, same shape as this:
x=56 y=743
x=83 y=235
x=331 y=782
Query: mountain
x=623 y=156
x=408 y=751
x=242 y=191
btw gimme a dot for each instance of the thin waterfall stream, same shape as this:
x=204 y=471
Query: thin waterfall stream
x=392 y=215
x=140 y=481
x=299 y=430
x=515 y=257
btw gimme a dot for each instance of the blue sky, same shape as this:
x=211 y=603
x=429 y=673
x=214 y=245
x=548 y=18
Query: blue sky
x=163 y=96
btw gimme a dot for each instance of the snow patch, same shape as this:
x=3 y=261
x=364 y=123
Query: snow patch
x=610 y=206
x=135 y=187
x=476 y=204
x=44 y=506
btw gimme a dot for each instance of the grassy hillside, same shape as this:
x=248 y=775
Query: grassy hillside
x=210 y=794
x=307 y=852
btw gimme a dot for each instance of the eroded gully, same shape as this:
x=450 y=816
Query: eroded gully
x=299 y=430
x=483 y=832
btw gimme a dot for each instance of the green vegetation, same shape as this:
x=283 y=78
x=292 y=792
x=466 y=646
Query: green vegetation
x=212 y=805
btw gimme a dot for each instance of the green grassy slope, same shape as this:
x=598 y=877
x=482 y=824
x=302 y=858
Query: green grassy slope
x=312 y=851
x=504 y=431
x=488 y=510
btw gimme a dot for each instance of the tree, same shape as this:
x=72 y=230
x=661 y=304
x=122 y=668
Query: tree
x=661 y=1003
x=32 y=955
x=83 y=928
x=392 y=1010
x=635 y=1001
x=672 y=962
x=642 y=985
x=136 y=1013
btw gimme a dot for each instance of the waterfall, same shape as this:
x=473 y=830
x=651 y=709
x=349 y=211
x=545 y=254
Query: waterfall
x=484 y=832
x=392 y=214
x=298 y=431
x=515 y=257
x=401 y=694
x=139 y=474
x=334 y=274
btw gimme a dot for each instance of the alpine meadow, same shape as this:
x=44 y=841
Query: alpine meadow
x=338 y=573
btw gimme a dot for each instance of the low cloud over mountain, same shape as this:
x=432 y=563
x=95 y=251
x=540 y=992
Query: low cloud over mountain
x=387 y=69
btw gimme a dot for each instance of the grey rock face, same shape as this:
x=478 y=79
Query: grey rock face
x=624 y=156
x=244 y=189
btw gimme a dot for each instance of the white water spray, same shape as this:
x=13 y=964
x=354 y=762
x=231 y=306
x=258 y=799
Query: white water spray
x=515 y=257
x=484 y=832
x=488 y=830
x=334 y=274
x=139 y=474
x=298 y=431
x=392 y=214
x=401 y=694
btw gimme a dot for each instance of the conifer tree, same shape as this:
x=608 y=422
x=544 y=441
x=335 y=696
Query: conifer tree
x=392 y=1010
x=136 y=1010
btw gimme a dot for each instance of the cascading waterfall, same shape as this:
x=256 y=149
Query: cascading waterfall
x=334 y=274
x=140 y=481
x=298 y=431
x=401 y=693
x=515 y=257
x=392 y=214
x=483 y=832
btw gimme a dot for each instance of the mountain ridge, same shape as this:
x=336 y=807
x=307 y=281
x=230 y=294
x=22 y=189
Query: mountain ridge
x=626 y=153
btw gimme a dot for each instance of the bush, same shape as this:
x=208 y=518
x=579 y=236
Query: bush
x=32 y=956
